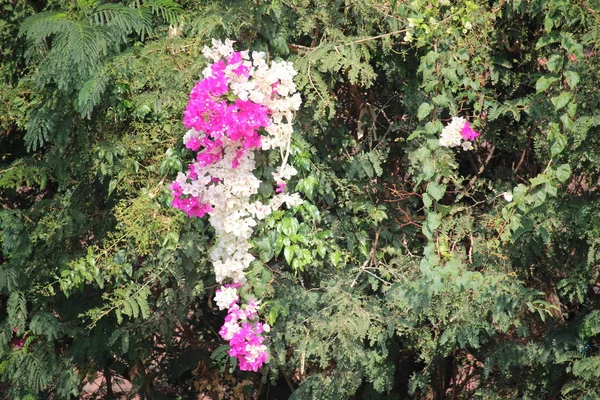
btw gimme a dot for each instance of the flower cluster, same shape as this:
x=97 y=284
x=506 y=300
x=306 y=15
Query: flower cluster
x=244 y=333
x=458 y=133
x=242 y=104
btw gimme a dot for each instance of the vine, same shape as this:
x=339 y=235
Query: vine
x=242 y=104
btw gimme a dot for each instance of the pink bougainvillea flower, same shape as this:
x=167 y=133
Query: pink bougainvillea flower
x=469 y=133
x=241 y=104
x=244 y=334
x=280 y=187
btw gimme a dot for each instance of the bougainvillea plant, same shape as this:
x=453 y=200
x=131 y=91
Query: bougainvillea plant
x=242 y=104
x=458 y=133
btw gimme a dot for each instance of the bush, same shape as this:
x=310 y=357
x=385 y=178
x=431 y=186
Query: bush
x=412 y=270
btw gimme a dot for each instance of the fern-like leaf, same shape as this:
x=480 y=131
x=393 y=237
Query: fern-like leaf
x=16 y=308
x=90 y=94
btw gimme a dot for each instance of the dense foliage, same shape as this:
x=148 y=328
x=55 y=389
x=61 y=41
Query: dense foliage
x=410 y=271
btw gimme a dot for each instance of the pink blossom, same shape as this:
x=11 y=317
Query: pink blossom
x=192 y=205
x=193 y=144
x=240 y=69
x=280 y=187
x=192 y=172
x=235 y=109
x=244 y=335
x=469 y=133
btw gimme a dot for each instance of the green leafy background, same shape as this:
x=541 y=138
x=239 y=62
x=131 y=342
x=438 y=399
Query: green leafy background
x=408 y=272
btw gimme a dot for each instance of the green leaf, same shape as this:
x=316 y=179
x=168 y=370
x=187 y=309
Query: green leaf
x=546 y=40
x=416 y=134
x=450 y=74
x=544 y=83
x=288 y=253
x=570 y=44
x=543 y=232
x=555 y=62
x=289 y=226
x=558 y=145
x=551 y=189
x=427 y=200
x=308 y=185
x=424 y=110
x=572 y=78
x=436 y=190
x=433 y=128
x=433 y=221
x=538 y=180
x=572 y=109
x=441 y=100
x=548 y=23
x=335 y=258
x=567 y=121
x=561 y=100
x=563 y=173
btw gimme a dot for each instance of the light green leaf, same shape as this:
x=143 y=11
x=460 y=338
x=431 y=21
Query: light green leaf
x=441 y=100
x=544 y=83
x=436 y=190
x=424 y=110
x=335 y=258
x=427 y=200
x=561 y=100
x=560 y=141
x=563 y=173
x=288 y=253
x=555 y=63
x=572 y=78
x=434 y=220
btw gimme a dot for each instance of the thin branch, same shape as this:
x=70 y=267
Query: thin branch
x=489 y=157
x=369 y=259
x=296 y=48
x=374 y=37
x=287 y=380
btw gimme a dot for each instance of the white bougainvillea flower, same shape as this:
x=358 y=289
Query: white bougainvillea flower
x=458 y=133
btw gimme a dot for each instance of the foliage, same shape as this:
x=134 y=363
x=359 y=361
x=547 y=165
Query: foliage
x=411 y=270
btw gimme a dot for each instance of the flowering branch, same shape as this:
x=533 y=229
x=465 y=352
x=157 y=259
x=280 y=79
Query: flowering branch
x=241 y=105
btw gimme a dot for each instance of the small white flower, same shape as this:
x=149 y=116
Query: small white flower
x=225 y=296
x=507 y=196
x=229 y=190
x=451 y=134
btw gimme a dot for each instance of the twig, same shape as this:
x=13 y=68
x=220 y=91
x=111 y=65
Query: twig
x=524 y=152
x=375 y=37
x=369 y=259
x=287 y=380
x=296 y=48
x=482 y=168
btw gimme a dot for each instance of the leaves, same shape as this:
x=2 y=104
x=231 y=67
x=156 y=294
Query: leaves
x=424 y=110
x=572 y=78
x=561 y=100
x=563 y=173
x=544 y=82
x=401 y=251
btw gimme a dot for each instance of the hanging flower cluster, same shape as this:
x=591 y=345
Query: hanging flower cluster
x=458 y=133
x=243 y=331
x=242 y=104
